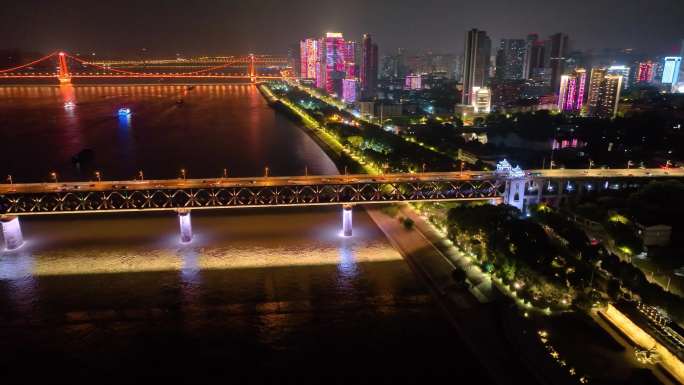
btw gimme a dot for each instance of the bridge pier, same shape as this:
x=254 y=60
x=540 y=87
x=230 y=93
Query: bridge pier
x=185 y=225
x=11 y=232
x=347 y=220
x=515 y=193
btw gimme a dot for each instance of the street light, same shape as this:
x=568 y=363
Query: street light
x=182 y=171
x=306 y=170
x=591 y=164
x=9 y=179
x=266 y=172
x=53 y=175
x=424 y=165
x=98 y=176
x=141 y=175
x=225 y=173
x=629 y=164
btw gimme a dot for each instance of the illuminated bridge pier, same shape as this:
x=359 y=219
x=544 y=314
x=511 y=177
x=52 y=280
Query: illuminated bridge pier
x=185 y=225
x=11 y=232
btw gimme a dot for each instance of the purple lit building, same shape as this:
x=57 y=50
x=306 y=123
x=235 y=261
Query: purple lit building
x=350 y=89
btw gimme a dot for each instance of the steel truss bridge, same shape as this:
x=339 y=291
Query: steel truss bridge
x=175 y=194
x=149 y=195
x=65 y=67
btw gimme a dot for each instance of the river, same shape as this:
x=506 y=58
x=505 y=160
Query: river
x=267 y=295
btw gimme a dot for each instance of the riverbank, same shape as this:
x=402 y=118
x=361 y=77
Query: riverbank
x=335 y=151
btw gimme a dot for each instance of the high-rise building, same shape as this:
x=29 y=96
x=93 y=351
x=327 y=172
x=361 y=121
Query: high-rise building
x=369 y=67
x=671 y=70
x=571 y=91
x=534 y=56
x=309 y=60
x=558 y=48
x=350 y=89
x=510 y=59
x=482 y=100
x=646 y=72
x=332 y=64
x=604 y=93
x=350 y=63
x=476 y=63
x=413 y=82
x=623 y=71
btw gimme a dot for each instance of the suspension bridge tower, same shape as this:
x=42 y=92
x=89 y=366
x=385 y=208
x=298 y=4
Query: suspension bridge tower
x=252 y=68
x=64 y=76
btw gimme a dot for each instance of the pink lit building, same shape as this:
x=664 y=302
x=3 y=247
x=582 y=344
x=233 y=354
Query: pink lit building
x=332 y=64
x=646 y=72
x=572 y=90
x=308 y=50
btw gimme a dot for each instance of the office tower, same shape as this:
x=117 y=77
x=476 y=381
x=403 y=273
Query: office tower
x=350 y=90
x=350 y=63
x=413 y=82
x=671 y=70
x=645 y=72
x=369 y=67
x=604 y=93
x=571 y=91
x=557 y=54
x=308 y=49
x=476 y=63
x=510 y=59
x=534 y=56
x=332 y=68
x=482 y=100
x=623 y=71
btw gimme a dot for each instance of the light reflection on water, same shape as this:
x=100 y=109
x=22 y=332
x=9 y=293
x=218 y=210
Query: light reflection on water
x=257 y=293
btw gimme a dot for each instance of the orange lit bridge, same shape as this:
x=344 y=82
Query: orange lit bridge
x=65 y=68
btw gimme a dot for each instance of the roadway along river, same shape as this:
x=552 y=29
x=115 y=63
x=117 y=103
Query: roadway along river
x=271 y=294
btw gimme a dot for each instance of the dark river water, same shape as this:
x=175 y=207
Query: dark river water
x=271 y=295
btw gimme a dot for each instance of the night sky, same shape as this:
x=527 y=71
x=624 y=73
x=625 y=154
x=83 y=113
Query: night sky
x=224 y=27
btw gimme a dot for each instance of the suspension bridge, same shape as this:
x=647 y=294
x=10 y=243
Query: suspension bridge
x=66 y=67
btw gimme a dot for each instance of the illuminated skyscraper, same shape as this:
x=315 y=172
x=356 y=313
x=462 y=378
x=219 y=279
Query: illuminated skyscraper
x=671 y=70
x=369 y=67
x=604 y=93
x=332 y=65
x=413 y=82
x=571 y=91
x=646 y=72
x=623 y=71
x=476 y=63
x=350 y=89
x=308 y=49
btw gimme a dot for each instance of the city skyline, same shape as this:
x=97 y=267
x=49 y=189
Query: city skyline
x=230 y=27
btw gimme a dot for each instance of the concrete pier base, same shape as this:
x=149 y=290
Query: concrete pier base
x=11 y=231
x=347 y=220
x=185 y=226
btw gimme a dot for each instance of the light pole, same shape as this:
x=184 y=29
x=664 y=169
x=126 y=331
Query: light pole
x=182 y=171
x=266 y=172
x=591 y=164
x=9 y=179
x=141 y=175
x=629 y=164
x=53 y=175
x=424 y=165
x=98 y=176
x=225 y=173
x=306 y=170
